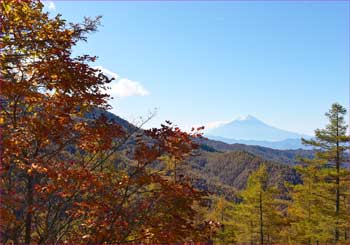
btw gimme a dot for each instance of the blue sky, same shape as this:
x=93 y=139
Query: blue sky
x=202 y=62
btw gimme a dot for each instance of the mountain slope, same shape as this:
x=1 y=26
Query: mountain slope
x=281 y=156
x=222 y=168
x=228 y=172
x=286 y=144
x=266 y=153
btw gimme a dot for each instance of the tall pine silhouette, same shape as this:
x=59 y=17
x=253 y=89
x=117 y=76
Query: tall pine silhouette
x=331 y=146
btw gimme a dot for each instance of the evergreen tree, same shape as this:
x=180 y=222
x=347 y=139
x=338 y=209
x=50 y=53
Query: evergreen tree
x=223 y=213
x=259 y=217
x=331 y=146
x=311 y=209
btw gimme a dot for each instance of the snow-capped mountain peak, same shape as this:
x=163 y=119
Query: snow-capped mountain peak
x=251 y=128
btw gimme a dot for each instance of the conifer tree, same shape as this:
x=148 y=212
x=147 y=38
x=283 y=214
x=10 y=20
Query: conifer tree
x=259 y=218
x=331 y=145
x=311 y=208
x=223 y=213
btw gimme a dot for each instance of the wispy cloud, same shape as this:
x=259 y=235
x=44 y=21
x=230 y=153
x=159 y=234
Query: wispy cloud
x=51 y=5
x=123 y=87
x=215 y=124
x=208 y=125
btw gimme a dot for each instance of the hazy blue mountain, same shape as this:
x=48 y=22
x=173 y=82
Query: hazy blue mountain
x=251 y=131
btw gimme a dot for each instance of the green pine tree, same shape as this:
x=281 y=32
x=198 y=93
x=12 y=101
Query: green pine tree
x=223 y=212
x=259 y=218
x=331 y=145
x=311 y=210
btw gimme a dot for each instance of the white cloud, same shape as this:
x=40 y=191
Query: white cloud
x=208 y=125
x=215 y=124
x=51 y=5
x=123 y=87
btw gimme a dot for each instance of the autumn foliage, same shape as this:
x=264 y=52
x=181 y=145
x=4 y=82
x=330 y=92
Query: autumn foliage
x=59 y=179
x=71 y=173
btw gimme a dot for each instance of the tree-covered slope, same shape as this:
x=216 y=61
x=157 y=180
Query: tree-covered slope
x=215 y=171
x=282 y=156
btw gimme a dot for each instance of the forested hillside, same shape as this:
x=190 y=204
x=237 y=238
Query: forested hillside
x=220 y=168
x=73 y=173
x=233 y=168
x=282 y=156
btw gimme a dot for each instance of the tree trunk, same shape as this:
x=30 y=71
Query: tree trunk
x=261 y=220
x=28 y=221
x=337 y=202
x=175 y=171
x=251 y=233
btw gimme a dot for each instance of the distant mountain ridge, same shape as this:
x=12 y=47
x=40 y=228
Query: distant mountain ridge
x=267 y=153
x=218 y=167
x=251 y=131
x=282 y=156
x=279 y=145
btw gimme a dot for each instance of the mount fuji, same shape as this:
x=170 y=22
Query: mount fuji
x=251 y=131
